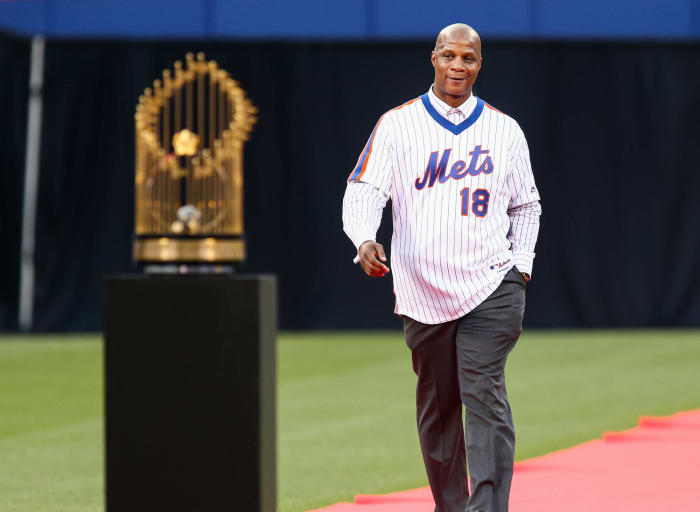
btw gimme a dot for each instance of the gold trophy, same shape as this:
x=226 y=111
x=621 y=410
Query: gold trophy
x=190 y=131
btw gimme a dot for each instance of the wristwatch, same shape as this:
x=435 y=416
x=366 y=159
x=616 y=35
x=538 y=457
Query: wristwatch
x=525 y=276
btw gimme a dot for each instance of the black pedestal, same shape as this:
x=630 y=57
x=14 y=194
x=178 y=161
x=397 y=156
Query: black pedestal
x=190 y=393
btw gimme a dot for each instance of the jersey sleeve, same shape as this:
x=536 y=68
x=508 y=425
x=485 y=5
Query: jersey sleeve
x=376 y=162
x=521 y=181
x=363 y=204
x=524 y=208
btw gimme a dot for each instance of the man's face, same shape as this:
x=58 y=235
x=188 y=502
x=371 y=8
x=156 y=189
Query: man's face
x=457 y=62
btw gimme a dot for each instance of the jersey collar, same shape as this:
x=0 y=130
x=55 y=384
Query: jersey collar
x=443 y=108
x=454 y=128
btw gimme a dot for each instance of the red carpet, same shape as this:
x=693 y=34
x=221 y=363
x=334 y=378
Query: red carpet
x=652 y=467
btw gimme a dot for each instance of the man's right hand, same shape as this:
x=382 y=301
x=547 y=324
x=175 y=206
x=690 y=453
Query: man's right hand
x=372 y=259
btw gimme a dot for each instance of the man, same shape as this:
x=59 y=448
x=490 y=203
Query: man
x=466 y=218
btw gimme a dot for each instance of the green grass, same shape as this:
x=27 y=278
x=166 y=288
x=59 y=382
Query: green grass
x=51 y=453
x=346 y=419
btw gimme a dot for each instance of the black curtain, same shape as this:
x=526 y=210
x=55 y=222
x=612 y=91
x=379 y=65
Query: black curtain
x=14 y=82
x=612 y=129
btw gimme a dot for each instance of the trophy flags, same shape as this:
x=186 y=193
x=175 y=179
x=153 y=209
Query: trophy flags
x=190 y=130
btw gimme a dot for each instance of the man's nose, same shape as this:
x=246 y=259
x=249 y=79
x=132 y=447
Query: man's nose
x=458 y=64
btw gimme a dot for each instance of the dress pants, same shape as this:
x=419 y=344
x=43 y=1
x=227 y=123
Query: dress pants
x=462 y=362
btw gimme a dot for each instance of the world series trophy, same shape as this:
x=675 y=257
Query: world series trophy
x=190 y=130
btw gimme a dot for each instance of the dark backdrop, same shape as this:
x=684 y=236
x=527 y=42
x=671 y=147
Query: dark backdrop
x=14 y=80
x=612 y=128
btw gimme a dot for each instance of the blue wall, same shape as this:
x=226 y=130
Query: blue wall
x=352 y=19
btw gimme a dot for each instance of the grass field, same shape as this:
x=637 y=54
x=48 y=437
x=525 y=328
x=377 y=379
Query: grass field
x=345 y=409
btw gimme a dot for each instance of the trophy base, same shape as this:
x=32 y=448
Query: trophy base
x=187 y=268
x=190 y=393
x=189 y=250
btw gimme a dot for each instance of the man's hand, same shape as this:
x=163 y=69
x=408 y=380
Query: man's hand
x=372 y=259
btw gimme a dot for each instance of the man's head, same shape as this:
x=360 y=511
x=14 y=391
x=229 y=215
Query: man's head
x=457 y=61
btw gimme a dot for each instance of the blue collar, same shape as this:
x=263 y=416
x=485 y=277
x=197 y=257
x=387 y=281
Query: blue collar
x=454 y=128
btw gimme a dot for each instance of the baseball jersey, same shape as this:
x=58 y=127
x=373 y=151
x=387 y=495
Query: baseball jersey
x=464 y=203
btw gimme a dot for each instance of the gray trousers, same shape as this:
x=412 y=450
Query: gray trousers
x=462 y=363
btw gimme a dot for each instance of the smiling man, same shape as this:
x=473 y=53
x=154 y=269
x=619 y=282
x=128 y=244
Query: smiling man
x=454 y=78
x=466 y=217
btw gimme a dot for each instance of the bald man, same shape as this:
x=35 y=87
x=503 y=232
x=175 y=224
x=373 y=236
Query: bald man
x=466 y=217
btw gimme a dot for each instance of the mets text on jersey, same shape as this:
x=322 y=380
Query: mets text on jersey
x=459 y=169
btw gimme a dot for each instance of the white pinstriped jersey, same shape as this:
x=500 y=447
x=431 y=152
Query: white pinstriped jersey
x=464 y=202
